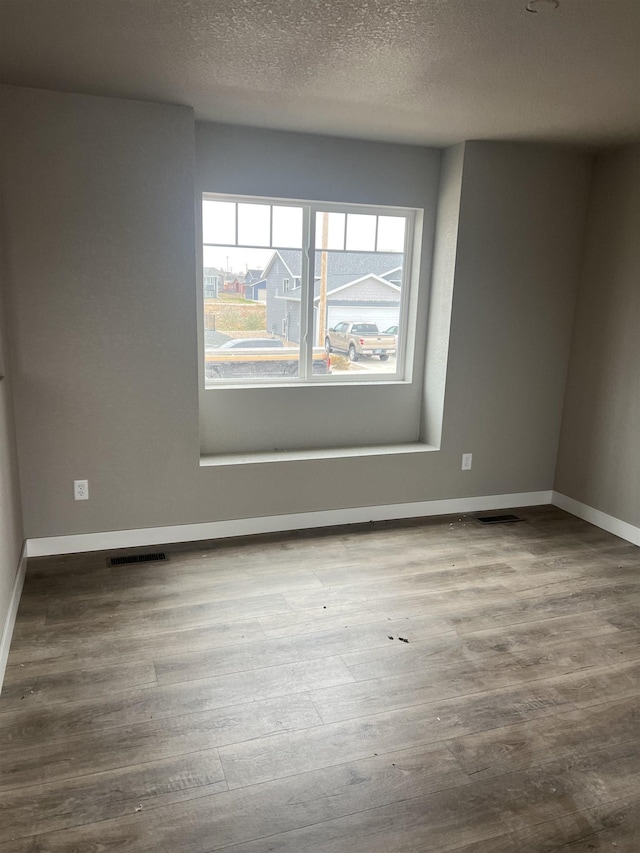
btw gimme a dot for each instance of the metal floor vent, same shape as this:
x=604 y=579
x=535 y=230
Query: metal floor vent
x=136 y=558
x=498 y=519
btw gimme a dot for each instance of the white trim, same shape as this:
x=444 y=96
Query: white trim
x=594 y=516
x=10 y=621
x=272 y=259
x=217 y=460
x=369 y=275
x=107 y=541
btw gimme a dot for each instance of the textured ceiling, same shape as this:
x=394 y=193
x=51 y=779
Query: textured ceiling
x=431 y=71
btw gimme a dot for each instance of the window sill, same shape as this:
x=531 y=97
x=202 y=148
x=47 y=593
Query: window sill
x=216 y=460
x=316 y=382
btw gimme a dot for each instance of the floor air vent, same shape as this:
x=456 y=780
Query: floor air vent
x=498 y=519
x=136 y=558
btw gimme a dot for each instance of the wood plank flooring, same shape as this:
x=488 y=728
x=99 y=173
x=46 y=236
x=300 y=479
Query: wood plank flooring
x=255 y=695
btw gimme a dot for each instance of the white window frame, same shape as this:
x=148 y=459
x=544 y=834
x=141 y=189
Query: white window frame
x=285 y=285
x=409 y=292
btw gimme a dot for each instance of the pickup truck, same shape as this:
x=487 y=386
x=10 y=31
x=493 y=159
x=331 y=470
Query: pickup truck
x=359 y=339
x=253 y=362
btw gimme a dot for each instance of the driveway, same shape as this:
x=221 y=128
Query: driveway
x=372 y=365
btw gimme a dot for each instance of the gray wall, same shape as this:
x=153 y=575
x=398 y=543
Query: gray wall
x=98 y=194
x=521 y=221
x=599 y=457
x=442 y=283
x=11 y=534
x=250 y=161
x=101 y=243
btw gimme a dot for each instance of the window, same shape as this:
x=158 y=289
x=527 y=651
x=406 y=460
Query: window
x=338 y=282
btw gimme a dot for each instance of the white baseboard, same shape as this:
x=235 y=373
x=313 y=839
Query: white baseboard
x=10 y=621
x=607 y=522
x=114 y=539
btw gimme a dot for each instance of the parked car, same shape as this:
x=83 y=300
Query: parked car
x=357 y=339
x=260 y=362
x=393 y=330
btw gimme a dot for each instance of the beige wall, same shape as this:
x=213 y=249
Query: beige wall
x=599 y=456
x=101 y=240
x=11 y=534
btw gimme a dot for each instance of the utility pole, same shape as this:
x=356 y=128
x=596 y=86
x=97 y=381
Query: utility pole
x=322 y=307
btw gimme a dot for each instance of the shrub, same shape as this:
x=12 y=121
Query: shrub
x=340 y=362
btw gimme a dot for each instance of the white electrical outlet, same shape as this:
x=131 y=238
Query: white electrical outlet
x=467 y=459
x=81 y=490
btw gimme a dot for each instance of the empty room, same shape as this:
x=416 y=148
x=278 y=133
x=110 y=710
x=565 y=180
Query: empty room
x=319 y=426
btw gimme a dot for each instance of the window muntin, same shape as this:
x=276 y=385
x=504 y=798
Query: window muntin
x=352 y=274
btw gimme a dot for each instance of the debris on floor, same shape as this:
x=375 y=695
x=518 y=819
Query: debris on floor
x=402 y=640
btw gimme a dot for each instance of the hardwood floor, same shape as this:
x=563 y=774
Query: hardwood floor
x=254 y=695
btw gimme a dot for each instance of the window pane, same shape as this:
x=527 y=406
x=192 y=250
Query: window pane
x=361 y=232
x=219 y=221
x=287 y=227
x=391 y=233
x=253 y=291
x=252 y=326
x=254 y=224
x=357 y=299
x=334 y=224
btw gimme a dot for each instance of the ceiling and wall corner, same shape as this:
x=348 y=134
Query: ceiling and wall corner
x=419 y=71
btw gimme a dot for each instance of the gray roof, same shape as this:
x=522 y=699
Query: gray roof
x=254 y=275
x=345 y=267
